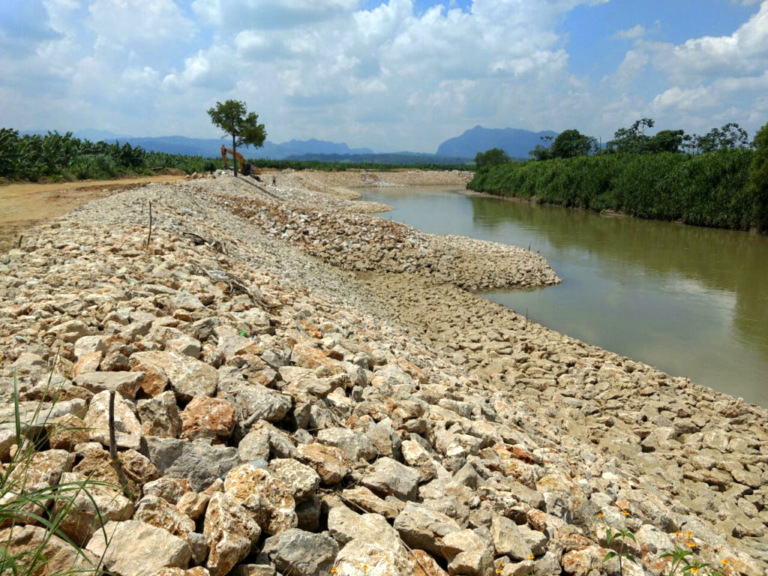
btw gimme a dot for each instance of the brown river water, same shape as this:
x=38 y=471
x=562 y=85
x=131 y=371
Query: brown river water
x=690 y=301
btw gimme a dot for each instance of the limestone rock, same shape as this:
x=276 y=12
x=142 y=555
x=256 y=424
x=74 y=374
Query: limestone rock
x=422 y=528
x=330 y=463
x=231 y=532
x=359 y=557
x=160 y=416
x=134 y=548
x=467 y=554
x=355 y=445
x=66 y=432
x=187 y=377
x=197 y=462
x=362 y=498
x=255 y=402
x=300 y=479
x=169 y=489
x=302 y=553
x=390 y=477
x=208 y=418
x=508 y=540
x=24 y=542
x=127 y=426
x=158 y=512
x=123 y=383
x=269 y=500
x=89 y=345
x=418 y=458
x=90 y=508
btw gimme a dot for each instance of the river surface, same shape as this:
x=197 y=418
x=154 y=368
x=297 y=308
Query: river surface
x=691 y=301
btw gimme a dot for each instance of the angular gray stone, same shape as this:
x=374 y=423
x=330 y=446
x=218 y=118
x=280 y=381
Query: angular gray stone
x=422 y=528
x=124 y=383
x=302 y=553
x=390 y=477
x=355 y=445
x=160 y=416
x=507 y=539
x=198 y=462
x=255 y=402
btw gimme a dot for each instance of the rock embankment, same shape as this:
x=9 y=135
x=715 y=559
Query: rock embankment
x=275 y=416
x=358 y=242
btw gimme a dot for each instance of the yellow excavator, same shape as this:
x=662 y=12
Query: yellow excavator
x=245 y=169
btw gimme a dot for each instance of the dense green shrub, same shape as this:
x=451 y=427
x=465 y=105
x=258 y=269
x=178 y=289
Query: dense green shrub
x=705 y=190
x=758 y=178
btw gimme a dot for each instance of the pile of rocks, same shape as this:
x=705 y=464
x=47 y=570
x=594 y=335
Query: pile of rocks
x=363 y=243
x=272 y=417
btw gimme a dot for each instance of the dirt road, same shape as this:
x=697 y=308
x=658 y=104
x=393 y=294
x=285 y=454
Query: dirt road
x=23 y=205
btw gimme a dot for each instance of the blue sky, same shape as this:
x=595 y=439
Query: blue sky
x=390 y=75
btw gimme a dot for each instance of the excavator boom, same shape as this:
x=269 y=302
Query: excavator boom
x=244 y=168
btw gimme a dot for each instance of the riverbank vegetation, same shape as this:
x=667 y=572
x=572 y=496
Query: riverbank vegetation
x=649 y=177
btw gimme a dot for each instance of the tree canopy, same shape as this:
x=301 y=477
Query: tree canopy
x=233 y=118
x=492 y=157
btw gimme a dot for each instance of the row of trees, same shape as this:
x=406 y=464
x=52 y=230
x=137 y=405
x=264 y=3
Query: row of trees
x=633 y=140
x=726 y=189
x=61 y=156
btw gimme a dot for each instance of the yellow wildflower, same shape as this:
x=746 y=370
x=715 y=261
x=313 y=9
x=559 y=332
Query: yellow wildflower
x=724 y=562
x=365 y=566
x=625 y=512
x=531 y=556
x=499 y=570
x=691 y=544
x=334 y=570
x=694 y=570
x=689 y=534
x=600 y=515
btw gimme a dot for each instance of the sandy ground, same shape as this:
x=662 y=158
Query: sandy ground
x=23 y=205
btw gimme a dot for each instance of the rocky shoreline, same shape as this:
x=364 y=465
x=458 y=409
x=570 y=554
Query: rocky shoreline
x=303 y=389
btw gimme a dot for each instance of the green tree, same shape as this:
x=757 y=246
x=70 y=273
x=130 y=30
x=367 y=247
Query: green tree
x=492 y=157
x=572 y=143
x=668 y=141
x=233 y=117
x=758 y=178
x=542 y=151
x=729 y=136
x=631 y=140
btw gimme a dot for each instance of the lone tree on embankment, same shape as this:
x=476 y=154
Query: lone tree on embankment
x=233 y=117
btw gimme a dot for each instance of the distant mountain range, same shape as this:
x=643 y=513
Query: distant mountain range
x=515 y=142
x=459 y=150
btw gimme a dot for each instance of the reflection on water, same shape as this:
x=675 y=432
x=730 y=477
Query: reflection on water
x=691 y=301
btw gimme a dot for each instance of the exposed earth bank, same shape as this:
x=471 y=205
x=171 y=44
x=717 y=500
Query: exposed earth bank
x=305 y=389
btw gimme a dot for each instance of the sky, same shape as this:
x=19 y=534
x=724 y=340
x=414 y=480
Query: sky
x=385 y=74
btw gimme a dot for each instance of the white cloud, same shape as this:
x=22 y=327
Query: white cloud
x=637 y=31
x=745 y=52
x=135 y=22
x=390 y=77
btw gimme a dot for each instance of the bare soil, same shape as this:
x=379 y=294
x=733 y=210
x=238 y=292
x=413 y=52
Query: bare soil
x=24 y=205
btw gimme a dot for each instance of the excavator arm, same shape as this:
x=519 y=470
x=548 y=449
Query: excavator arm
x=244 y=168
x=240 y=159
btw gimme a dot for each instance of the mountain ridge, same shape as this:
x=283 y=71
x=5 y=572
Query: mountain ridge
x=514 y=141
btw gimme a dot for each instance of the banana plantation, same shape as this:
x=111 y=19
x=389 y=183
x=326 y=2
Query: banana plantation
x=62 y=157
